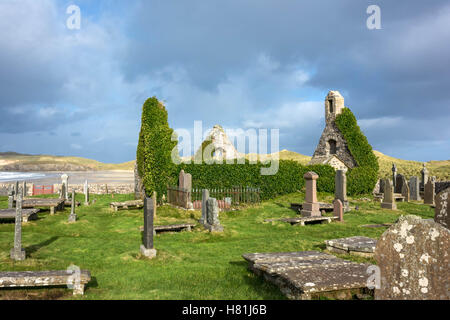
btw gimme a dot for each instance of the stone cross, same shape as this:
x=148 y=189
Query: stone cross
x=17 y=253
x=413 y=260
x=428 y=196
x=414 y=188
x=388 y=198
x=205 y=197
x=212 y=222
x=394 y=174
x=442 y=209
x=147 y=248
x=310 y=207
x=86 y=193
x=340 y=188
x=65 y=182
x=424 y=173
x=338 y=209
x=73 y=215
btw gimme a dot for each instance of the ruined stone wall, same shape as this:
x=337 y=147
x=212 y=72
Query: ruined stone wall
x=94 y=188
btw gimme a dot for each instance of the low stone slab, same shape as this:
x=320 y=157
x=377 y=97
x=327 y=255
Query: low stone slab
x=52 y=203
x=45 y=279
x=172 y=227
x=308 y=274
x=397 y=197
x=381 y=225
x=126 y=205
x=358 y=245
x=27 y=214
x=322 y=206
x=304 y=220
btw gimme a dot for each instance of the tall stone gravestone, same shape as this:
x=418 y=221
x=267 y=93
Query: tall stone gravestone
x=205 y=197
x=405 y=189
x=16 y=189
x=394 y=174
x=338 y=209
x=414 y=188
x=424 y=173
x=442 y=209
x=310 y=207
x=399 y=183
x=414 y=262
x=185 y=182
x=212 y=216
x=17 y=253
x=65 y=182
x=382 y=182
x=388 y=198
x=11 y=197
x=72 y=216
x=428 y=196
x=147 y=248
x=340 y=188
x=86 y=193
x=24 y=189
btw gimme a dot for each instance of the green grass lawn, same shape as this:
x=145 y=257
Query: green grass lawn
x=189 y=265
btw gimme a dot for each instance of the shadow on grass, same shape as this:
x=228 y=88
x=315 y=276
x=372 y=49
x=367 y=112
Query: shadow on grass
x=35 y=247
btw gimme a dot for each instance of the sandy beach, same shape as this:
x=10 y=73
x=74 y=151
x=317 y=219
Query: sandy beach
x=75 y=177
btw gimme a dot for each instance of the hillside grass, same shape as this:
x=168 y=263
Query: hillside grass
x=189 y=265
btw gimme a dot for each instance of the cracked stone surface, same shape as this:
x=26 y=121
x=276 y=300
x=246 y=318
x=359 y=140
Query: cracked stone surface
x=414 y=260
x=302 y=274
x=442 y=209
x=357 y=243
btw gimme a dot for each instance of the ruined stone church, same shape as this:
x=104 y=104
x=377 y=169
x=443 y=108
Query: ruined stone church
x=332 y=148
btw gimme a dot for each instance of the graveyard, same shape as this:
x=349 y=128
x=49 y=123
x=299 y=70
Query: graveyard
x=192 y=264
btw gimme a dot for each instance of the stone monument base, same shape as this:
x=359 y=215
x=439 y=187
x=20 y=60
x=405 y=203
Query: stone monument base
x=72 y=218
x=18 y=255
x=214 y=228
x=149 y=253
x=310 y=210
x=390 y=206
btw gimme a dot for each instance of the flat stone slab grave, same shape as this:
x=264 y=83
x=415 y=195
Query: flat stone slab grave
x=322 y=206
x=304 y=220
x=397 y=197
x=172 y=228
x=27 y=214
x=45 y=279
x=309 y=274
x=53 y=204
x=68 y=203
x=126 y=205
x=358 y=245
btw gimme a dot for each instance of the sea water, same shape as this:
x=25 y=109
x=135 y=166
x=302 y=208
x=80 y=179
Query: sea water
x=6 y=176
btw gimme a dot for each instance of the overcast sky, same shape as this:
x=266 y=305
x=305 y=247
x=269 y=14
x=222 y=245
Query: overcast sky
x=237 y=63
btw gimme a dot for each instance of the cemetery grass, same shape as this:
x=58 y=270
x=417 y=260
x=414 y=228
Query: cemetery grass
x=189 y=265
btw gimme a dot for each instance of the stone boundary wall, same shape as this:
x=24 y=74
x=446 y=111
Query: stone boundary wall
x=94 y=188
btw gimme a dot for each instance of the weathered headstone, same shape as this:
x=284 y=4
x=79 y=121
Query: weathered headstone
x=185 y=182
x=65 y=182
x=62 y=191
x=212 y=216
x=147 y=248
x=394 y=174
x=86 y=193
x=338 y=209
x=413 y=257
x=382 y=182
x=424 y=173
x=11 y=197
x=24 y=189
x=205 y=197
x=428 y=196
x=442 y=209
x=405 y=189
x=340 y=188
x=414 y=188
x=399 y=179
x=17 y=253
x=73 y=215
x=16 y=189
x=388 y=198
x=310 y=207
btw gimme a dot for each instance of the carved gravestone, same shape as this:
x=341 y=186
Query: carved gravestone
x=17 y=253
x=340 y=188
x=72 y=216
x=414 y=262
x=310 y=207
x=428 y=196
x=185 y=182
x=205 y=197
x=147 y=248
x=86 y=193
x=414 y=188
x=338 y=209
x=399 y=183
x=388 y=198
x=212 y=216
x=424 y=173
x=65 y=183
x=442 y=209
x=405 y=190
